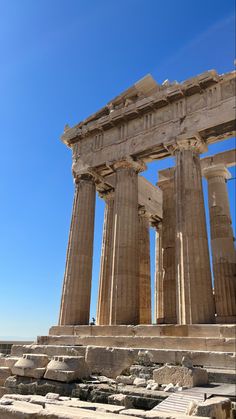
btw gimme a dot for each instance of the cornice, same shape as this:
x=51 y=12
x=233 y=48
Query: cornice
x=109 y=116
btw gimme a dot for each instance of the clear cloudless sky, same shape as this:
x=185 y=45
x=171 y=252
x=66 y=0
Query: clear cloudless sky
x=60 y=61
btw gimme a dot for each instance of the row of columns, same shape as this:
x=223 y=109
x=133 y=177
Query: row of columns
x=222 y=244
x=184 y=218
x=183 y=276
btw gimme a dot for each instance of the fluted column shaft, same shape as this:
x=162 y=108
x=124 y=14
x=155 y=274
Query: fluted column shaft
x=158 y=293
x=222 y=244
x=75 y=302
x=145 y=315
x=103 y=308
x=125 y=268
x=194 y=288
x=168 y=246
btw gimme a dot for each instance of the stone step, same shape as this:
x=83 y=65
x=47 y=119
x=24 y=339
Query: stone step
x=224 y=360
x=26 y=409
x=50 y=350
x=198 y=330
x=221 y=376
x=179 y=402
x=156 y=342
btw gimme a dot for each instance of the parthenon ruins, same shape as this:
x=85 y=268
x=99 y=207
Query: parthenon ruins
x=182 y=364
x=110 y=149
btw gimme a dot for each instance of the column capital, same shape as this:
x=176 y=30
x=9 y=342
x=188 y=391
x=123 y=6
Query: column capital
x=193 y=143
x=83 y=177
x=157 y=225
x=142 y=212
x=217 y=170
x=129 y=163
x=107 y=195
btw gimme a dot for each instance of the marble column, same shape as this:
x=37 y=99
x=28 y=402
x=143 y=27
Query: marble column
x=145 y=312
x=168 y=246
x=125 y=267
x=194 y=287
x=222 y=243
x=103 y=308
x=75 y=302
x=158 y=293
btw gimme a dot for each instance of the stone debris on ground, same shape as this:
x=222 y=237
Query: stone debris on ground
x=14 y=406
x=140 y=382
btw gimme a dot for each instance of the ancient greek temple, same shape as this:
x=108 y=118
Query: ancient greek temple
x=149 y=122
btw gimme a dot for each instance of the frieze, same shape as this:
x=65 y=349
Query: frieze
x=205 y=109
x=212 y=89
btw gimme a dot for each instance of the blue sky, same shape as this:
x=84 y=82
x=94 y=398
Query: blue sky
x=61 y=60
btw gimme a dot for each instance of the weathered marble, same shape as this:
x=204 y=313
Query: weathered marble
x=145 y=315
x=125 y=267
x=104 y=295
x=194 y=288
x=222 y=243
x=168 y=249
x=75 y=302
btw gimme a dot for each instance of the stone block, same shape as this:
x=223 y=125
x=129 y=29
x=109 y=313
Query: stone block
x=30 y=365
x=10 y=361
x=2 y=361
x=110 y=362
x=188 y=377
x=140 y=382
x=37 y=399
x=215 y=407
x=18 y=397
x=53 y=396
x=67 y=369
x=49 y=350
x=145 y=358
x=3 y=391
x=5 y=372
x=62 y=412
x=20 y=410
x=125 y=379
x=120 y=400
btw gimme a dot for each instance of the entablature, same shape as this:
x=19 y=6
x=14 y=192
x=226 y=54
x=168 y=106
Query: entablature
x=144 y=127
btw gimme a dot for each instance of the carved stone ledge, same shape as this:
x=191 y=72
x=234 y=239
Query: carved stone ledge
x=194 y=143
x=107 y=194
x=83 y=177
x=216 y=170
x=137 y=165
x=142 y=212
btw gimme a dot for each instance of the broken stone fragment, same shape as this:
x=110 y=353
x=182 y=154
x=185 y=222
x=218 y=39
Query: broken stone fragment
x=11 y=361
x=37 y=399
x=145 y=358
x=5 y=372
x=140 y=382
x=67 y=368
x=125 y=379
x=155 y=387
x=30 y=365
x=120 y=400
x=183 y=376
x=215 y=407
x=110 y=362
x=169 y=388
x=52 y=396
x=6 y=402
